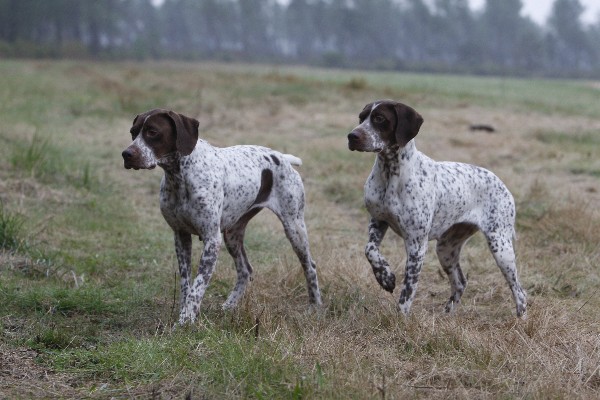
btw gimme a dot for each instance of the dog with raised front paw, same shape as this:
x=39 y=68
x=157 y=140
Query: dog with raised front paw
x=421 y=200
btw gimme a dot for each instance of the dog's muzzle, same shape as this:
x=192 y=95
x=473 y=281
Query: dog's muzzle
x=131 y=160
x=354 y=141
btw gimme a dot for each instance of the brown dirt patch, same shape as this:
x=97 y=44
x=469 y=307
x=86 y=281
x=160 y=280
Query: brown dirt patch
x=23 y=377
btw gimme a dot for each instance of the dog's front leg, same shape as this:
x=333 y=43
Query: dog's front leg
x=183 y=249
x=208 y=261
x=416 y=247
x=380 y=266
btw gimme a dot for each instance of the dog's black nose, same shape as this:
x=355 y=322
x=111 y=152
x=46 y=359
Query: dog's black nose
x=127 y=154
x=354 y=141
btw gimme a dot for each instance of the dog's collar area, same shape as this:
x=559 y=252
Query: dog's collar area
x=169 y=163
x=168 y=158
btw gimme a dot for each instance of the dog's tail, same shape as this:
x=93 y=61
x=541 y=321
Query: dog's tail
x=292 y=159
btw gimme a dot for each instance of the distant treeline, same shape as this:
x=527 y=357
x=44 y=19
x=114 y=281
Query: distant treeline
x=423 y=35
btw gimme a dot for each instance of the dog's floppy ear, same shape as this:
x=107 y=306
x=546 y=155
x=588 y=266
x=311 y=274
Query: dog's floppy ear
x=138 y=122
x=187 y=132
x=408 y=123
x=365 y=112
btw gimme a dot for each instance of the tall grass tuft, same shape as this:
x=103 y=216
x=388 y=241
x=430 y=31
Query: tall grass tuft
x=86 y=178
x=10 y=230
x=33 y=157
x=42 y=160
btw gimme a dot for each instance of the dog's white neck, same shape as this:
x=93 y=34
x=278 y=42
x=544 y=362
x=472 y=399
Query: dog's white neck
x=170 y=162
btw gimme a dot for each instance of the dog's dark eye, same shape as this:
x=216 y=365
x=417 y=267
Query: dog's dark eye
x=378 y=119
x=152 y=134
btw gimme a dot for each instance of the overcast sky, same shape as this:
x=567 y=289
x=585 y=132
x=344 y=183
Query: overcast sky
x=538 y=10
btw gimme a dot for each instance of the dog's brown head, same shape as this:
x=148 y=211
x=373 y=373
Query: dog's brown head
x=157 y=134
x=384 y=123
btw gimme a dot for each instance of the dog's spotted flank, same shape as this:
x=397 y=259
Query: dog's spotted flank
x=421 y=200
x=208 y=191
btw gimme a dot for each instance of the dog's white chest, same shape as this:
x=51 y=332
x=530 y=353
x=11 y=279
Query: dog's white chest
x=377 y=201
x=177 y=212
x=383 y=200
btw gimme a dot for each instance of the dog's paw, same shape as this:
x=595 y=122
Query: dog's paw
x=183 y=321
x=187 y=316
x=406 y=298
x=450 y=306
x=314 y=298
x=229 y=305
x=404 y=308
x=386 y=279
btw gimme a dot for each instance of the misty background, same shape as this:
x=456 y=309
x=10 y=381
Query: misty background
x=403 y=35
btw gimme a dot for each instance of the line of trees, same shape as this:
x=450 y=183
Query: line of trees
x=431 y=35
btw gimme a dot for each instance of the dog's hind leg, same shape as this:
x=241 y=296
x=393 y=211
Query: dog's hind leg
x=287 y=203
x=501 y=246
x=448 y=250
x=295 y=231
x=234 y=241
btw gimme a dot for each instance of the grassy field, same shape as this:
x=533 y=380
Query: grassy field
x=88 y=272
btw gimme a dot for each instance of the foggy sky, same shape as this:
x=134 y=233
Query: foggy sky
x=538 y=10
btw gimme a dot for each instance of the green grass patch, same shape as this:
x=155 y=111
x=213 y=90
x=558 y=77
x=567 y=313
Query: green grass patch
x=586 y=171
x=582 y=141
x=11 y=229
x=219 y=363
x=33 y=158
x=540 y=95
x=67 y=309
x=585 y=146
x=61 y=300
x=41 y=159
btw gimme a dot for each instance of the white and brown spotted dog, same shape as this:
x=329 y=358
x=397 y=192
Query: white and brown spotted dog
x=207 y=191
x=421 y=200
